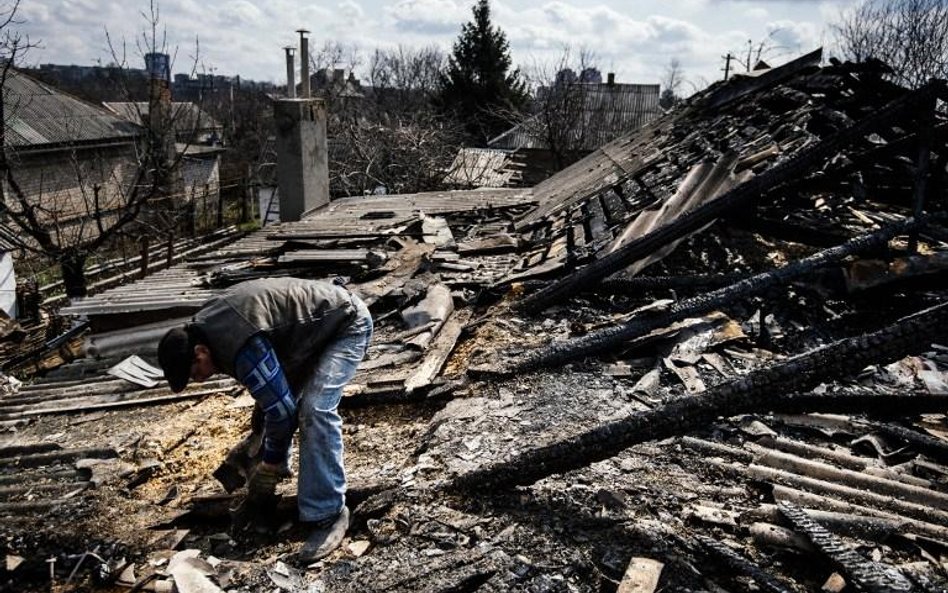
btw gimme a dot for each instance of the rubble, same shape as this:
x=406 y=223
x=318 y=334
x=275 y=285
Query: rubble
x=704 y=358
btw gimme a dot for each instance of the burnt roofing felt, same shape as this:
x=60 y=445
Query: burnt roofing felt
x=38 y=115
x=705 y=357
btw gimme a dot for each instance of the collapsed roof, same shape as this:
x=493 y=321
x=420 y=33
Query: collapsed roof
x=772 y=248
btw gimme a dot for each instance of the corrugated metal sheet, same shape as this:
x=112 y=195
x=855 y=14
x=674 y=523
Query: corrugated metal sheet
x=609 y=111
x=483 y=167
x=187 y=116
x=182 y=286
x=37 y=115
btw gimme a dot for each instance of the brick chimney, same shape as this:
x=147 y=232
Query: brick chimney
x=304 y=64
x=301 y=146
x=290 y=72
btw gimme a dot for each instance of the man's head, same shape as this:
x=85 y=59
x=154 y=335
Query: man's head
x=183 y=354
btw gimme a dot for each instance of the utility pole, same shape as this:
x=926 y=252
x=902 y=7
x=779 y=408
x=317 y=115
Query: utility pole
x=727 y=64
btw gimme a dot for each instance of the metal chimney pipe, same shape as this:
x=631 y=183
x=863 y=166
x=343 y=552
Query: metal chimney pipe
x=304 y=63
x=290 y=72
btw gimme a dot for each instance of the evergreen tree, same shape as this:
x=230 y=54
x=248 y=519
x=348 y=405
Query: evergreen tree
x=479 y=87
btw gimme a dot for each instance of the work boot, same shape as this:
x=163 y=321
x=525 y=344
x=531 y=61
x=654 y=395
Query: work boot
x=326 y=536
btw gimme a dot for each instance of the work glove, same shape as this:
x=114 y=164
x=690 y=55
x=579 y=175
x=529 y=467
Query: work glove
x=263 y=482
x=240 y=462
x=259 y=507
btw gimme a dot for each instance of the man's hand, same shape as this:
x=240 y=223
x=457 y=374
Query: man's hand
x=259 y=508
x=264 y=480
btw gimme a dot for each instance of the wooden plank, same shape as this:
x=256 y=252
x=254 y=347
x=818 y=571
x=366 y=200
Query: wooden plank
x=597 y=218
x=61 y=455
x=500 y=243
x=113 y=405
x=401 y=267
x=641 y=576
x=440 y=350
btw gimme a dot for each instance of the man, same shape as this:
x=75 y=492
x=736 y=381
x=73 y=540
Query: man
x=294 y=344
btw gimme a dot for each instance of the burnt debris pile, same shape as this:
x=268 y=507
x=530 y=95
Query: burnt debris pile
x=709 y=356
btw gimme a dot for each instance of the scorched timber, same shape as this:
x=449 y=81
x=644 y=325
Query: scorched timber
x=604 y=340
x=865 y=574
x=745 y=193
x=739 y=564
x=758 y=391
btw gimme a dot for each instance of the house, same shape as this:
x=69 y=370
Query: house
x=573 y=119
x=198 y=139
x=192 y=125
x=70 y=158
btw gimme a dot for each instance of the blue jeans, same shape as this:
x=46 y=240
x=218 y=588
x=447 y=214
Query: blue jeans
x=321 y=486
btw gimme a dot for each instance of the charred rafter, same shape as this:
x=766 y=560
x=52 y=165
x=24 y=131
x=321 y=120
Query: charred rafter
x=606 y=339
x=758 y=391
x=742 y=194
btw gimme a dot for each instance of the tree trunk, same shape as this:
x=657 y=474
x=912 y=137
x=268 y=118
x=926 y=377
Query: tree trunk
x=74 y=274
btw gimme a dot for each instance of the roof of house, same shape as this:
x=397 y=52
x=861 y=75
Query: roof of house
x=608 y=111
x=37 y=114
x=187 y=116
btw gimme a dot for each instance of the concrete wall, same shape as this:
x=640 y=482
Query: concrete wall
x=302 y=156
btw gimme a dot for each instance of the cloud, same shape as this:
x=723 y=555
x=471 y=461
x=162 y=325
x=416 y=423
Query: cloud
x=239 y=13
x=794 y=36
x=351 y=12
x=431 y=17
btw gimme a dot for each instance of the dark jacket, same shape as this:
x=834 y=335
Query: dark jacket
x=299 y=317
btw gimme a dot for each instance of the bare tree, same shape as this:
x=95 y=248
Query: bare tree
x=565 y=117
x=107 y=191
x=388 y=136
x=404 y=79
x=910 y=36
x=404 y=155
x=672 y=81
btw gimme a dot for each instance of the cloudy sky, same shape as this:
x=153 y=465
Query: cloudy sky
x=636 y=40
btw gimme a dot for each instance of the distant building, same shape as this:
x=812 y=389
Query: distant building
x=191 y=124
x=605 y=112
x=197 y=143
x=158 y=66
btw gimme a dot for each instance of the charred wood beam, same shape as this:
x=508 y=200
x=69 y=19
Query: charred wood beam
x=739 y=564
x=780 y=479
x=42 y=476
x=870 y=527
x=59 y=456
x=874 y=577
x=887 y=484
x=755 y=392
x=786 y=230
x=43 y=504
x=828 y=504
x=606 y=339
x=926 y=134
x=638 y=284
x=935 y=448
x=14 y=450
x=11 y=491
x=745 y=193
x=885 y=405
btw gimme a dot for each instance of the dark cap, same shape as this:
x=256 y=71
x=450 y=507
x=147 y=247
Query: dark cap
x=175 y=355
